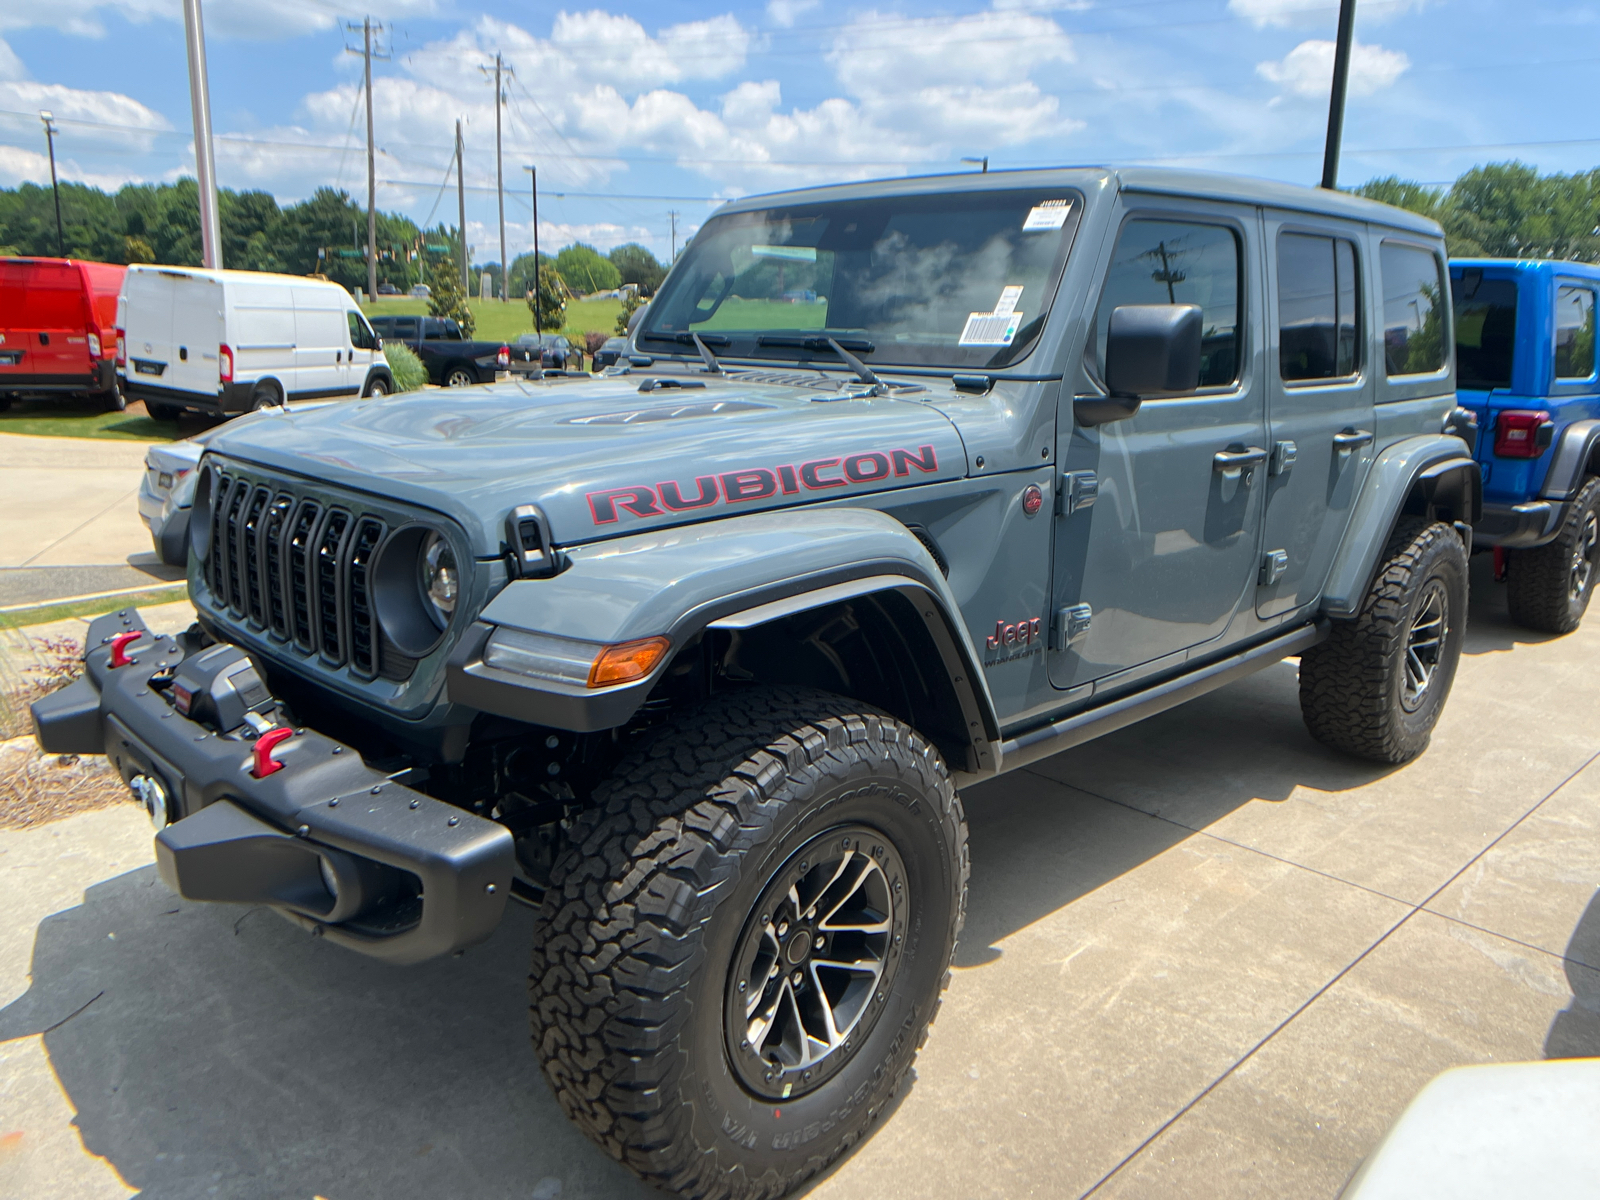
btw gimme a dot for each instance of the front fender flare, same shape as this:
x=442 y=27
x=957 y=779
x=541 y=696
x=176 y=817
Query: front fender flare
x=733 y=573
x=1579 y=446
x=1434 y=468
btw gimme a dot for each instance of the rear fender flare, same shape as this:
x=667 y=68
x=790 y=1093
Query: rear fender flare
x=1577 y=455
x=724 y=576
x=1428 y=476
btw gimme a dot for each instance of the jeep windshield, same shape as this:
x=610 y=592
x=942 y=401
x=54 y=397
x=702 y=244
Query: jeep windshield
x=953 y=280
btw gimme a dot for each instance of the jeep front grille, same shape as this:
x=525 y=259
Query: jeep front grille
x=300 y=570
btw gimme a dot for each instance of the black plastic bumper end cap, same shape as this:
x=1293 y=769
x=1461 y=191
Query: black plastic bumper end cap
x=67 y=721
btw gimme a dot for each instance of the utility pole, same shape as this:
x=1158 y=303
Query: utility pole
x=372 y=170
x=673 y=213
x=205 y=166
x=461 y=207
x=499 y=169
x=1341 y=78
x=533 y=173
x=50 y=137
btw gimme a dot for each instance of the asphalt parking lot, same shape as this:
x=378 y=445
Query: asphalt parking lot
x=1203 y=957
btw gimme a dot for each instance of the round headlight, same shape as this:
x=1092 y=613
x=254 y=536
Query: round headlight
x=440 y=579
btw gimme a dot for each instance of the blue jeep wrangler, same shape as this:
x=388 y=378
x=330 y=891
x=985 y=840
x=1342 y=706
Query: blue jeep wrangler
x=1525 y=366
x=900 y=485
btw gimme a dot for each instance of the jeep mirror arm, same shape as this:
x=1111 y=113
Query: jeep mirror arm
x=1151 y=350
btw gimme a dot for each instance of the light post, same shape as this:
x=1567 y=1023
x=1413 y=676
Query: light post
x=50 y=138
x=533 y=175
x=205 y=167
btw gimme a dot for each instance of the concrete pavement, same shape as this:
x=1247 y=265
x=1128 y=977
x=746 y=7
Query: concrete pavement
x=1204 y=957
x=72 y=522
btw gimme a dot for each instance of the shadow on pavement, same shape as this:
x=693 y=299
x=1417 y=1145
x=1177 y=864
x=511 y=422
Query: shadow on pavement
x=1575 y=1032
x=1489 y=626
x=224 y=1053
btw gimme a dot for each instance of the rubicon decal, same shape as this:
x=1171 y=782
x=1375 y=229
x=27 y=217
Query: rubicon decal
x=758 y=483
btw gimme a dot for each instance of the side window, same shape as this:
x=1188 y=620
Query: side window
x=406 y=327
x=361 y=337
x=1413 y=309
x=1178 y=262
x=1319 y=318
x=1486 y=329
x=1574 y=333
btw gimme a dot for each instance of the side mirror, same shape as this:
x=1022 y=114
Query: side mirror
x=1151 y=350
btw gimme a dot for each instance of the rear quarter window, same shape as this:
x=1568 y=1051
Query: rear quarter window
x=1574 y=332
x=1414 y=319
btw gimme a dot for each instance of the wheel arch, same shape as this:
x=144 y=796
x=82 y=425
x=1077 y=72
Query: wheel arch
x=1425 y=476
x=1577 y=455
x=842 y=599
x=378 y=372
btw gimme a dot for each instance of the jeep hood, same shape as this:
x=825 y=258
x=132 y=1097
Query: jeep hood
x=602 y=458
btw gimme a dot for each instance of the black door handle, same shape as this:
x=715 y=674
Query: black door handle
x=1351 y=438
x=1232 y=461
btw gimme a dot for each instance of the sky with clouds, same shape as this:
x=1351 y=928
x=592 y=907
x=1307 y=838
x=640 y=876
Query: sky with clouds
x=632 y=112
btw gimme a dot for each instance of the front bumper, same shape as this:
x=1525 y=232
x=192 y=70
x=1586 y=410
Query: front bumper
x=416 y=878
x=1519 y=526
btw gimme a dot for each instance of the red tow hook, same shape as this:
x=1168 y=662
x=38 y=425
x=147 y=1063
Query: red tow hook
x=265 y=764
x=119 y=647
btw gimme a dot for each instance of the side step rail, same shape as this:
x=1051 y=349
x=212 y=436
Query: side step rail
x=1085 y=726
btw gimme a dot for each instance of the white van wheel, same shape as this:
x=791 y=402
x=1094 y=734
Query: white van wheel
x=379 y=386
x=264 y=396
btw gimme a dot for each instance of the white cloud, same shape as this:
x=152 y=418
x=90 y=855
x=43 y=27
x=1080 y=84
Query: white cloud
x=10 y=65
x=1285 y=14
x=1307 y=70
x=86 y=119
x=786 y=12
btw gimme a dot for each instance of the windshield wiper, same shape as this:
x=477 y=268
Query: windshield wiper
x=863 y=372
x=712 y=365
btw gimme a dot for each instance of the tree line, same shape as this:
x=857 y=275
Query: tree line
x=1506 y=210
x=325 y=234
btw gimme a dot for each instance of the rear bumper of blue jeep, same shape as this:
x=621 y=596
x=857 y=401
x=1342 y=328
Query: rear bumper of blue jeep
x=332 y=844
x=1519 y=526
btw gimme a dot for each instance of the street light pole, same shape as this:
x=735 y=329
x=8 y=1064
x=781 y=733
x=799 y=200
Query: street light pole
x=533 y=174
x=205 y=167
x=50 y=138
x=461 y=208
x=1341 y=80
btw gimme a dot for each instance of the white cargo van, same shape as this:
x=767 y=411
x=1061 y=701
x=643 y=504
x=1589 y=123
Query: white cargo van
x=234 y=341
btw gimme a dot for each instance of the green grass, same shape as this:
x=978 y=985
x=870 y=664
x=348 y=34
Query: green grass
x=505 y=321
x=84 y=418
x=42 y=614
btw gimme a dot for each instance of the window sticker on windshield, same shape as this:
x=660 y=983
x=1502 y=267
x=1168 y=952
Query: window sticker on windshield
x=997 y=328
x=790 y=253
x=1052 y=214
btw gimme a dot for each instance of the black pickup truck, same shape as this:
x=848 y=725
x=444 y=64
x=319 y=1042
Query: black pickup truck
x=451 y=359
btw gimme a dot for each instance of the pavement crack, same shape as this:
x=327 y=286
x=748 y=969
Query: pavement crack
x=73 y=1013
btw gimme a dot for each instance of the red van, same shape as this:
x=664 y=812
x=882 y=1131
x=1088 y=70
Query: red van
x=58 y=329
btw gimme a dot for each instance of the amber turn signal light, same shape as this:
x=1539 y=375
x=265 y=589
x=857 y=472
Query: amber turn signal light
x=628 y=661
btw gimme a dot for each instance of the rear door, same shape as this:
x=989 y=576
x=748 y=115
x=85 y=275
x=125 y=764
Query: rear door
x=1319 y=400
x=44 y=318
x=197 y=333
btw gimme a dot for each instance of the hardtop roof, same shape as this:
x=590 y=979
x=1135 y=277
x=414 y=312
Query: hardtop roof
x=1534 y=266
x=1208 y=185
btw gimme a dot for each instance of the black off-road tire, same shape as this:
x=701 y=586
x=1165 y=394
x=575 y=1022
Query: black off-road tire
x=633 y=973
x=1353 y=686
x=1548 y=587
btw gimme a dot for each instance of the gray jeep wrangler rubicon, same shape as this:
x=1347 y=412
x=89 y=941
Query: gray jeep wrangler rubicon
x=900 y=485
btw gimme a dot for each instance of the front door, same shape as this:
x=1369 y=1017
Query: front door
x=1319 y=403
x=1163 y=559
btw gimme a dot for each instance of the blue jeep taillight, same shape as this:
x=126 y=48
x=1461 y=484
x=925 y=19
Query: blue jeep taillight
x=1522 y=433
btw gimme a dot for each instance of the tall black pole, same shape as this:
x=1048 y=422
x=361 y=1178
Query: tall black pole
x=1341 y=78
x=533 y=172
x=50 y=137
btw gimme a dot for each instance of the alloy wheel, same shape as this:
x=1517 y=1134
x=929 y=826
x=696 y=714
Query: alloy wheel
x=1425 y=644
x=1583 y=558
x=816 y=959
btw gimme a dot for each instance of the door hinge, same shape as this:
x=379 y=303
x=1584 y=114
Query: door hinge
x=1079 y=489
x=1283 y=456
x=1273 y=564
x=1070 y=624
